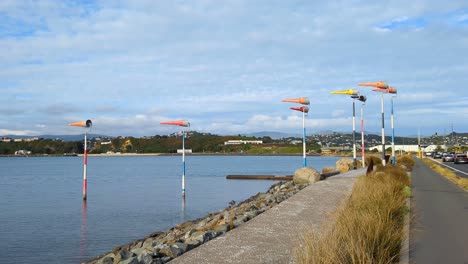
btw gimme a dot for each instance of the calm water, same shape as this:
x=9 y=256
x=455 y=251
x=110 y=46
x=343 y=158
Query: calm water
x=44 y=220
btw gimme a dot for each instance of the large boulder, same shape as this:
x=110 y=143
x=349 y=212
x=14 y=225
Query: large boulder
x=306 y=175
x=347 y=164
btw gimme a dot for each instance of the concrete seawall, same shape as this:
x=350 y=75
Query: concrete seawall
x=273 y=236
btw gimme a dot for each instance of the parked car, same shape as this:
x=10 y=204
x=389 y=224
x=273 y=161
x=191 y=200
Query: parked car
x=460 y=158
x=428 y=154
x=447 y=157
x=437 y=155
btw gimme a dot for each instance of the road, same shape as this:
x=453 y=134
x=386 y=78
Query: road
x=459 y=169
x=439 y=227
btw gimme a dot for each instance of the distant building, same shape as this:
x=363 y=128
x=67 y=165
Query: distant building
x=239 y=142
x=22 y=152
x=30 y=139
x=330 y=150
x=187 y=151
x=432 y=148
x=406 y=148
x=25 y=139
x=6 y=139
x=295 y=142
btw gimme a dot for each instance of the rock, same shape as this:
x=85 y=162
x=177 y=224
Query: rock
x=182 y=246
x=200 y=236
x=145 y=258
x=165 y=259
x=347 y=164
x=222 y=229
x=108 y=259
x=122 y=255
x=156 y=234
x=189 y=233
x=157 y=261
x=170 y=251
x=306 y=175
x=193 y=244
x=132 y=260
x=150 y=243
x=342 y=165
x=328 y=169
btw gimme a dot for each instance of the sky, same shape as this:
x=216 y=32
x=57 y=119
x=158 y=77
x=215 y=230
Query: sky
x=225 y=66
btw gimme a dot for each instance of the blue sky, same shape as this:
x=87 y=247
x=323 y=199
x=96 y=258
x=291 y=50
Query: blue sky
x=226 y=65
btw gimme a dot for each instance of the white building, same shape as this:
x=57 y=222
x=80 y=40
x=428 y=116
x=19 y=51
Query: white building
x=239 y=142
x=406 y=148
x=22 y=152
x=432 y=148
x=187 y=151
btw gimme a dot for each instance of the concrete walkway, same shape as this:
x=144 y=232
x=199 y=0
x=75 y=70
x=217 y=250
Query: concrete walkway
x=439 y=229
x=273 y=236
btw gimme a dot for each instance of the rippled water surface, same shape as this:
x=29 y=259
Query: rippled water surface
x=43 y=218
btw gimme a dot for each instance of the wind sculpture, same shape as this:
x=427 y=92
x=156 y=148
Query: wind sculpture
x=355 y=95
x=87 y=125
x=182 y=123
x=382 y=87
x=304 y=109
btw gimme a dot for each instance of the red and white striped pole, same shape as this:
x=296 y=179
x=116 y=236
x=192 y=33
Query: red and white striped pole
x=86 y=124
x=182 y=123
x=85 y=164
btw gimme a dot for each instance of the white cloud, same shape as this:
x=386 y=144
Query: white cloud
x=226 y=67
x=16 y=132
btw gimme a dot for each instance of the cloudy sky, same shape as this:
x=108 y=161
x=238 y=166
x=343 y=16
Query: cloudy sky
x=226 y=65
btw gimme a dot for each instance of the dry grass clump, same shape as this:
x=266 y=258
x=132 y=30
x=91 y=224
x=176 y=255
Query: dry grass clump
x=376 y=160
x=450 y=175
x=328 y=169
x=368 y=228
x=406 y=160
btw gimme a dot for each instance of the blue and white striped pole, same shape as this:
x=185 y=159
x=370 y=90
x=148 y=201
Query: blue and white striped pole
x=183 y=164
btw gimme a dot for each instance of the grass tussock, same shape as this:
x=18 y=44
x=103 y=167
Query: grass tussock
x=406 y=160
x=376 y=160
x=368 y=228
x=447 y=173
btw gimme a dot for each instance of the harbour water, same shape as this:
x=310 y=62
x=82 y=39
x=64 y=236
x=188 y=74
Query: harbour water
x=43 y=218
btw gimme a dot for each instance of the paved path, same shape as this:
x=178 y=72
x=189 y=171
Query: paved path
x=439 y=229
x=272 y=236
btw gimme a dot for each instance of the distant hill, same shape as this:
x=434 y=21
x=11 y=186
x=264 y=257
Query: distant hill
x=60 y=137
x=273 y=135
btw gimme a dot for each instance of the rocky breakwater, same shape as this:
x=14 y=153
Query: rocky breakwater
x=161 y=247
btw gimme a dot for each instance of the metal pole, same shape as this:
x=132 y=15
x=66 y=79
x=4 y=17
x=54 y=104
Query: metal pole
x=354 y=135
x=363 y=152
x=85 y=164
x=393 y=135
x=183 y=164
x=383 y=129
x=304 y=139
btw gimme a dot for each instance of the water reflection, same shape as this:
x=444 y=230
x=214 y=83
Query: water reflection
x=83 y=231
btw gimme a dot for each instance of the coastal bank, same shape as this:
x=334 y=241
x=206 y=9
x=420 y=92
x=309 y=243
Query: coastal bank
x=263 y=228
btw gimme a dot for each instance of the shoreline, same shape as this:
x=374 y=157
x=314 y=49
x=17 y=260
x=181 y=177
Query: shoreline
x=165 y=154
x=164 y=246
